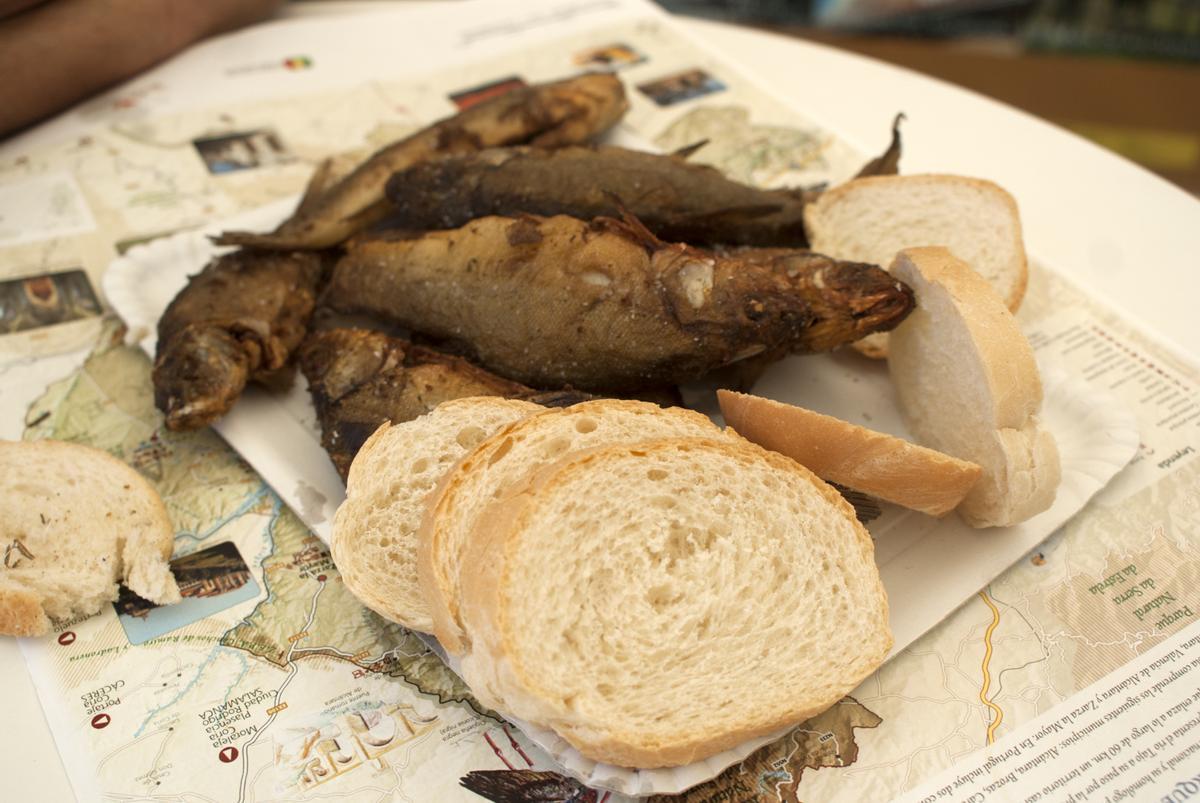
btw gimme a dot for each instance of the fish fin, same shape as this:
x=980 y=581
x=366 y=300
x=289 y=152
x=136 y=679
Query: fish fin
x=628 y=224
x=866 y=508
x=749 y=212
x=688 y=150
x=888 y=164
x=254 y=239
x=369 y=214
x=318 y=183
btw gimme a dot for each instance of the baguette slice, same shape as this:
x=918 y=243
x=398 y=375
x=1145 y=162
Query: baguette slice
x=375 y=530
x=77 y=521
x=871 y=219
x=875 y=463
x=505 y=459
x=968 y=385
x=660 y=602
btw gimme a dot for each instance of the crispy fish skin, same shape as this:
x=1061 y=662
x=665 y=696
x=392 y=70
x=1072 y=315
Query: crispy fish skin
x=677 y=200
x=605 y=305
x=237 y=320
x=549 y=115
x=360 y=379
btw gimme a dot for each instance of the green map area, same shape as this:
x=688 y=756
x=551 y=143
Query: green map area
x=205 y=485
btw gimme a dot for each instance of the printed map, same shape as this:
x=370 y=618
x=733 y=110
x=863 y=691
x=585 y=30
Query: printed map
x=301 y=693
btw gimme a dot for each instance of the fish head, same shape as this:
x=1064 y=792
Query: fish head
x=198 y=375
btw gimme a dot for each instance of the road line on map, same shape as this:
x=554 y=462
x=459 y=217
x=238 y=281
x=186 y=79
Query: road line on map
x=312 y=615
x=987 y=657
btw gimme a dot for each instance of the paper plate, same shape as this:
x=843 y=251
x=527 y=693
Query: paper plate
x=277 y=434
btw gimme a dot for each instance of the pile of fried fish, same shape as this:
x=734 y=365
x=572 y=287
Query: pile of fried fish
x=496 y=252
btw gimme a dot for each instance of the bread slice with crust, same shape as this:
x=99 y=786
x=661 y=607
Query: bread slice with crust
x=374 y=539
x=660 y=602
x=870 y=219
x=968 y=385
x=77 y=521
x=505 y=459
x=884 y=466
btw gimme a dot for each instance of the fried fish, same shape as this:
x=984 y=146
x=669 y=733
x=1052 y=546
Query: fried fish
x=359 y=379
x=678 y=200
x=236 y=321
x=549 y=115
x=605 y=304
x=675 y=199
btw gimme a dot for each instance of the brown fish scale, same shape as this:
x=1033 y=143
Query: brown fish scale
x=236 y=321
x=604 y=305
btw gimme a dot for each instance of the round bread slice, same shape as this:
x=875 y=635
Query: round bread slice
x=660 y=602
x=77 y=521
x=968 y=385
x=875 y=463
x=373 y=542
x=504 y=460
x=870 y=219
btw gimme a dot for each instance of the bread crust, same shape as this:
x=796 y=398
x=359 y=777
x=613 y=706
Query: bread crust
x=875 y=345
x=998 y=427
x=876 y=463
x=492 y=666
x=1013 y=381
x=21 y=613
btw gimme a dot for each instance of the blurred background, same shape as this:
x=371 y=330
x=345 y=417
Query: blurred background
x=1124 y=73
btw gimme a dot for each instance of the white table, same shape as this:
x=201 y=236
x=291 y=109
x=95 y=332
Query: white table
x=1111 y=226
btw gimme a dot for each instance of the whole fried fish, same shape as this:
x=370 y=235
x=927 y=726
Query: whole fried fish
x=237 y=320
x=560 y=113
x=675 y=199
x=359 y=379
x=606 y=305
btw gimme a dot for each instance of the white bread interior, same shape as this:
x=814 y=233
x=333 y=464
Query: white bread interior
x=884 y=466
x=658 y=603
x=505 y=459
x=870 y=219
x=374 y=538
x=968 y=385
x=89 y=521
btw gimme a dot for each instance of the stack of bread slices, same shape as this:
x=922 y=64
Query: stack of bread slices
x=652 y=588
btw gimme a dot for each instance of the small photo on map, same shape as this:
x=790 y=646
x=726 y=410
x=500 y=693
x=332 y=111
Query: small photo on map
x=681 y=86
x=613 y=57
x=466 y=98
x=36 y=301
x=245 y=150
x=210 y=581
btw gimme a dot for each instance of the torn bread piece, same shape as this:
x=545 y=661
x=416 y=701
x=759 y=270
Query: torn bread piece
x=77 y=522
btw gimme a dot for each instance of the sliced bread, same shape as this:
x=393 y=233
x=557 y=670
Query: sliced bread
x=504 y=460
x=871 y=219
x=884 y=466
x=374 y=531
x=660 y=602
x=77 y=521
x=968 y=385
